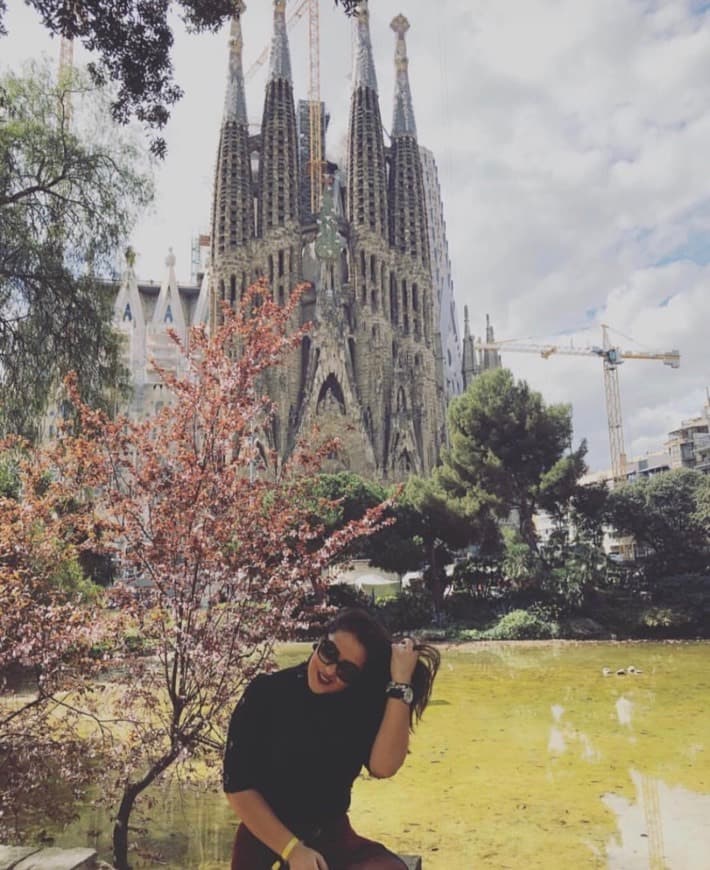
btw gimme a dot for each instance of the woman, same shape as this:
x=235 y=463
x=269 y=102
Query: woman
x=299 y=737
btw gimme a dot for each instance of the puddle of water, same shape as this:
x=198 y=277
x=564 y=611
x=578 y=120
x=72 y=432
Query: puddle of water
x=662 y=827
x=529 y=757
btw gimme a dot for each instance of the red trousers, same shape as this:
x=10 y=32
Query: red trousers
x=337 y=843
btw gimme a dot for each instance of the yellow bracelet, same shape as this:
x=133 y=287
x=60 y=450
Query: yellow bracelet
x=286 y=851
x=289 y=847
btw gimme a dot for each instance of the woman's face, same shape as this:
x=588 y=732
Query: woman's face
x=322 y=677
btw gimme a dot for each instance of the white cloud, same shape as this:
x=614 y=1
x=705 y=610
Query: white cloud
x=572 y=141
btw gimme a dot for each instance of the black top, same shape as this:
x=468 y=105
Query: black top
x=301 y=751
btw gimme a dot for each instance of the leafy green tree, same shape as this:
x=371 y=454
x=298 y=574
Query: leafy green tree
x=69 y=194
x=9 y=475
x=338 y=498
x=511 y=452
x=666 y=513
x=425 y=525
x=133 y=40
x=442 y=525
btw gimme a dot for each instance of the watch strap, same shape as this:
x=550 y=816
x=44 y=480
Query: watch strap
x=401 y=691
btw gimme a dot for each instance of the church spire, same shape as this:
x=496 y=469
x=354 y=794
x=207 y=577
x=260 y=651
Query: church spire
x=469 y=369
x=280 y=58
x=367 y=184
x=232 y=207
x=364 y=74
x=408 y=227
x=278 y=166
x=403 y=123
x=235 y=104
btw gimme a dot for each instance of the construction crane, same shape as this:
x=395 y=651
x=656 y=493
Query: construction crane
x=64 y=73
x=66 y=62
x=612 y=357
x=295 y=14
x=315 y=165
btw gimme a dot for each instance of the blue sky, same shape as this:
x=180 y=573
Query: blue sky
x=572 y=141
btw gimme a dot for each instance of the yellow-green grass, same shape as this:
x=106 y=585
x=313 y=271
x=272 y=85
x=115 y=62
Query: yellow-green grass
x=525 y=759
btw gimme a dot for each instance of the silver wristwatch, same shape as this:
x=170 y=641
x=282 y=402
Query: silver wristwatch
x=402 y=691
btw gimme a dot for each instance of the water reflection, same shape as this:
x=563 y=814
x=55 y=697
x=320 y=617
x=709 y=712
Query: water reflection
x=624 y=709
x=664 y=827
x=562 y=733
x=528 y=758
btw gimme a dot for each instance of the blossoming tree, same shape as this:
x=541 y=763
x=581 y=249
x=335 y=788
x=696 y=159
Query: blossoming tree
x=216 y=535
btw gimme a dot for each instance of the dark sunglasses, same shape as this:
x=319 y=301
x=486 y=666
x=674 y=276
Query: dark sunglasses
x=329 y=654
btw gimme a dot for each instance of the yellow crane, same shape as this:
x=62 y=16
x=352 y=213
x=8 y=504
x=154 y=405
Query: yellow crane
x=612 y=357
x=315 y=166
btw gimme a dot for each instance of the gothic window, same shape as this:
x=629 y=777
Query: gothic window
x=127 y=312
x=367 y=420
x=330 y=397
x=415 y=297
x=271 y=268
x=168 y=315
x=405 y=303
x=232 y=289
x=281 y=264
x=344 y=268
x=401 y=400
x=363 y=270
x=373 y=268
x=405 y=462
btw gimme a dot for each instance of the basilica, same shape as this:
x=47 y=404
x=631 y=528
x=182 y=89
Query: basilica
x=383 y=355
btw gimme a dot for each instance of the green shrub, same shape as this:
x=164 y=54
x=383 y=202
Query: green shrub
x=411 y=609
x=522 y=625
x=134 y=641
x=662 y=621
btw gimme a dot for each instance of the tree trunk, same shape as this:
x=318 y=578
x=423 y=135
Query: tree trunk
x=130 y=793
x=437 y=589
x=526 y=527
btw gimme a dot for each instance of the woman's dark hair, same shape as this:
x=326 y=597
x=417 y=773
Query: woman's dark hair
x=378 y=646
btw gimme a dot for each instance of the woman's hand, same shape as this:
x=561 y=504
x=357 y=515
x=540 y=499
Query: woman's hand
x=403 y=660
x=303 y=858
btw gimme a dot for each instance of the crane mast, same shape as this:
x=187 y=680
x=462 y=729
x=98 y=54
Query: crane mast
x=612 y=395
x=315 y=131
x=612 y=357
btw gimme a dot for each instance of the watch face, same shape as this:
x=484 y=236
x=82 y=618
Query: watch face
x=403 y=692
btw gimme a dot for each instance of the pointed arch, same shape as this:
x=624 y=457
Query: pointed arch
x=330 y=396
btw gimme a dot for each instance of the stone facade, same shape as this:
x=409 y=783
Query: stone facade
x=368 y=371
x=372 y=369
x=442 y=279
